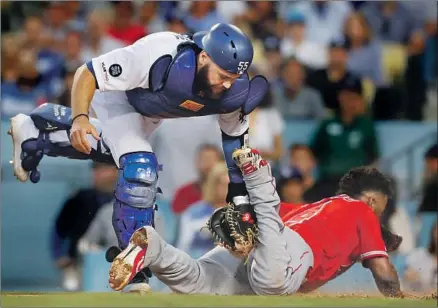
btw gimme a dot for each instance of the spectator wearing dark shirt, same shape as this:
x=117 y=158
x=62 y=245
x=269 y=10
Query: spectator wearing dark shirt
x=74 y=218
x=208 y=155
x=262 y=19
x=291 y=189
x=65 y=98
x=346 y=140
x=429 y=202
x=72 y=51
x=331 y=80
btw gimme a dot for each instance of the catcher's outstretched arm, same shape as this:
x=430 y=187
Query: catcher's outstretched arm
x=234 y=127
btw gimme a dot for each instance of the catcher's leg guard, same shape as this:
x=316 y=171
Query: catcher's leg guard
x=136 y=192
x=31 y=140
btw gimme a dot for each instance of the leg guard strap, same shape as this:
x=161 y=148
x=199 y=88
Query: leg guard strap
x=33 y=151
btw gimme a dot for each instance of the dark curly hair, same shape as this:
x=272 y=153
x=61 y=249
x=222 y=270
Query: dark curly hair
x=361 y=179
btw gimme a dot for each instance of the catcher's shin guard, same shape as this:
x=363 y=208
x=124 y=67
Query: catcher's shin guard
x=135 y=195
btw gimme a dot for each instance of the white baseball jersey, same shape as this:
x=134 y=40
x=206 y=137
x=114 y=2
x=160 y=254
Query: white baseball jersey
x=127 y=68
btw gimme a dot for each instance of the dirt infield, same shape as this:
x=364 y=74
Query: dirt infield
x=173 y=300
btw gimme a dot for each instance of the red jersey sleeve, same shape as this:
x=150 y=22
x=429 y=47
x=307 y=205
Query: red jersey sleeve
x=371 y=243
x=286 y=208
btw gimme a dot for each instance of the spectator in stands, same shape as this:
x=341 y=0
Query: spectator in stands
x=266 y=128
x=293 y=98
x=421 y=266
x=72 y=51
x=9 y=54
x=231 y=9
x=207 y=157
x=429 y=201
x=346 y=140
x=192 y=238
x=100 y=234
x=74 y=218
x=65 y=98
x=202 y=15
x=97 y=42
x=49 y=63
x=75 y=14
x=390 y=21
x=295 y=43
x=176 y=25
x=123 y=27
x=364 y=52
x=150 y=17
x=57 y=24
x=324 y=19
x=301 y=158
x=291 y=190
x=270 y=67
x=261 y=17
x=27 y=92
x=331 y=80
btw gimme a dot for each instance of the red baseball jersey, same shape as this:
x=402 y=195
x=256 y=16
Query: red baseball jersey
x=341 y=231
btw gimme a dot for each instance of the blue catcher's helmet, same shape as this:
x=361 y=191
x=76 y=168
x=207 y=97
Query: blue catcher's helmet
x=227 y=46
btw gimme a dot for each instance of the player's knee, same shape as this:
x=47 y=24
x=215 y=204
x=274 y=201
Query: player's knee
x=269 y=282
x=269 y=276
x=138 y=177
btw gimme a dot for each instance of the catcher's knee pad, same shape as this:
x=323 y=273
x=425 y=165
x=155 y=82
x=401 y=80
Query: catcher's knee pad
x=135 y=194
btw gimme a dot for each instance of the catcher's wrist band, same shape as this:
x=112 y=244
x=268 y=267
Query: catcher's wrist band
x=80 y=115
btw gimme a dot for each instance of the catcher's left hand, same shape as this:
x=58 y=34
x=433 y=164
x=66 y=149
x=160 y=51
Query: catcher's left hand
x=235 y=226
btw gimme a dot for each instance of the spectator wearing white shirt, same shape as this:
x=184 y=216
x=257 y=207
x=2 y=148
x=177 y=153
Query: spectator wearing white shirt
x=266 y=127
x=421 y=267
x=295 y=43
x=324 y=19
x=98 y=42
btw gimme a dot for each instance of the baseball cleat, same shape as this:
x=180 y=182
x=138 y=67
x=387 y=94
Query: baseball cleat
x=17 y=139
x=130 y=261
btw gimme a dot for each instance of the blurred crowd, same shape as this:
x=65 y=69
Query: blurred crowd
x=344 y=64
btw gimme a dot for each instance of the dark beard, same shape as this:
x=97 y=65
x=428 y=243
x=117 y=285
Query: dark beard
x=202 y=87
